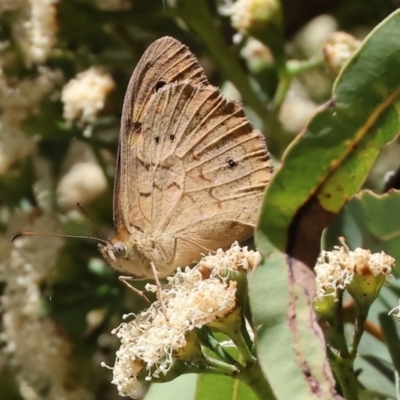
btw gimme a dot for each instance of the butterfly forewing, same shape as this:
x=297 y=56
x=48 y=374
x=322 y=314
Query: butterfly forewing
x=165 y=61
x=202 y=169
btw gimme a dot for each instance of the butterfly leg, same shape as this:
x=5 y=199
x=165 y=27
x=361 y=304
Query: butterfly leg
x=124 y=279
x=159 y=289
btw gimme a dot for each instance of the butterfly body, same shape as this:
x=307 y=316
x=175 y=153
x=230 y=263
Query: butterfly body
x=191 y=170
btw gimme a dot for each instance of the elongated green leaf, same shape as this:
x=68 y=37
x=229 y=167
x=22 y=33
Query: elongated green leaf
x=181 y=388
x=222 y=388
x=329 y=161
x=391 y=333
x=200 y=387
x=320 y=172
x=290 y=344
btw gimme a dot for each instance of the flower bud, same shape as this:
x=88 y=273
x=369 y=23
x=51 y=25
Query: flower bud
x=325 y=306
x=370 y=275
x=338 y=49
x=261 y=19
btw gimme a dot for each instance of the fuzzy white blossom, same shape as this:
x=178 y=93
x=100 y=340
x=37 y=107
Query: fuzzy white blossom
x=14 y=146
x=192 y=298
x=18 y=100
x=85 y=95
x=256 y=52
x=41 y=28
x=297 y=108
x=338 y=48
x=35 y=28
x=245 y=14
x=335 y=270
x=32 y=340
x=83 y=183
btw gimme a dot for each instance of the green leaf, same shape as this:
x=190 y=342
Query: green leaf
x=202 y=386
x=290 y=344
x=324 y=167
x=219 y=387
x=181 y=388
x=330 y=159
x=391 y=332
x=374 y=221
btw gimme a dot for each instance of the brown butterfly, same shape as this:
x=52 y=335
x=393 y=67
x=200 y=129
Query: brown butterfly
x=191 y=170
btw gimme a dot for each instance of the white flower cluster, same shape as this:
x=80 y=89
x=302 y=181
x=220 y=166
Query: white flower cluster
x=336 y=269
x=36 y=28
x=34 y=31
x=254 y=50
x=83 y=183
x=17 y=101
x=193 y=298
x=41 y=29
x=37 y=351
x=244 y=13
x=85 y=95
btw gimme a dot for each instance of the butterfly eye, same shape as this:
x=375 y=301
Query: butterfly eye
x=159 y=85
x=231 y=163
x=119 y=250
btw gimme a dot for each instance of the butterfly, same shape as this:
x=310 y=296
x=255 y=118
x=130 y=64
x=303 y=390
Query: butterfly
x=191 y=170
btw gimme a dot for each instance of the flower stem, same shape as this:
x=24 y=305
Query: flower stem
x=242 y=346
x=221 y=367
x=231 y=325
x=340 y=358
x=343 y=368
x=286 y=74
x=253 y=377
x=207 y=339
x=337 y=325
x=361 y=317
x=283 y=86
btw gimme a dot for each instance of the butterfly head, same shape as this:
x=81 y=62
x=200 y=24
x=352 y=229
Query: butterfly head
x=124 y=254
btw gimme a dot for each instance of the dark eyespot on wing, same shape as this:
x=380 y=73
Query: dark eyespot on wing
x=231 y=163
x=137 y=127
x=159 y=85
x=133 y=127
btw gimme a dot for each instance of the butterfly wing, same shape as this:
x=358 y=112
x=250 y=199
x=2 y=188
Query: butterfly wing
x=165 y=61
x=202 y=169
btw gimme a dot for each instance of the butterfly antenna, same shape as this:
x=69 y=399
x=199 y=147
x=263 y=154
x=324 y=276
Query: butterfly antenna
x=80 y=206
x=31 y=233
